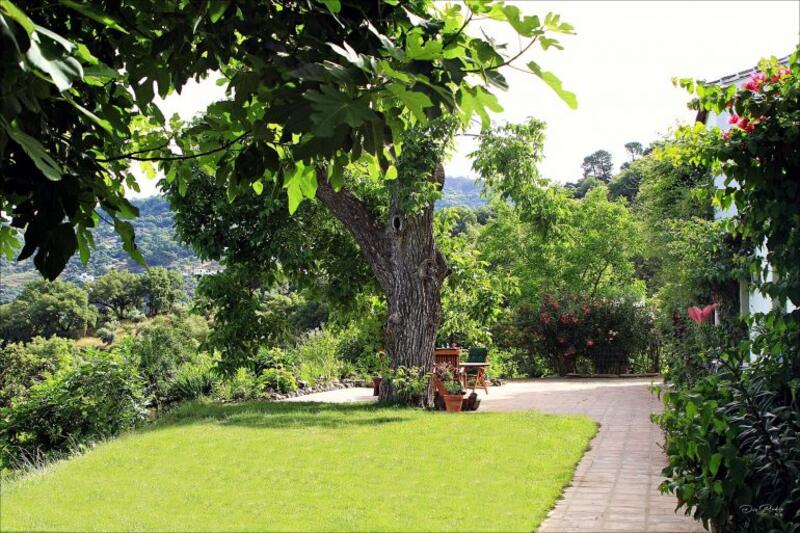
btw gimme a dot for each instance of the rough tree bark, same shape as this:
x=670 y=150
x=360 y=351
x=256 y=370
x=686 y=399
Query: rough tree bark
x=409 y=268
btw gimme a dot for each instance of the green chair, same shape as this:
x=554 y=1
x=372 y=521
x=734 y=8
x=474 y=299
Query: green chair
x=475 y=367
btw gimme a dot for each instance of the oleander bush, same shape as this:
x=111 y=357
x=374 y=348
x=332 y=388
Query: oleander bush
x=605 y=334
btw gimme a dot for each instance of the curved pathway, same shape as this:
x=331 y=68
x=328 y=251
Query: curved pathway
x=615 y=486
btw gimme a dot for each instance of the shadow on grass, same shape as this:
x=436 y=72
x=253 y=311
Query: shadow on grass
x=281 y=415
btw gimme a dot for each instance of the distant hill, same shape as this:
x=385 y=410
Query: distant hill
x=155 y=237
x=461 y=191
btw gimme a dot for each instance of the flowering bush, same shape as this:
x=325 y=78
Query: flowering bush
x=607 y=332
x=733 y=432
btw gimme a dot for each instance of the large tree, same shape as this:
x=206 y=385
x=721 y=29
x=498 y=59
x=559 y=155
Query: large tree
x=598 y=165
x=322 y=94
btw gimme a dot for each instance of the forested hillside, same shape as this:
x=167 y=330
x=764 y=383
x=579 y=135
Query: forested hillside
x=156 y=239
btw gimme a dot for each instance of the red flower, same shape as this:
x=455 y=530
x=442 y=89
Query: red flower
x=726 y=135
x=556 y=305
x=568 y=318
x=545 y=317
x=733 y=119
x=590 y=343
x=570 y=351
x=701 y=315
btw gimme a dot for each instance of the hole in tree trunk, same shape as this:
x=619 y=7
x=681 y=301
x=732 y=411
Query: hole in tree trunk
x=397 y=223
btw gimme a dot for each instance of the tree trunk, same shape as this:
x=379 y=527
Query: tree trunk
x=409 y=268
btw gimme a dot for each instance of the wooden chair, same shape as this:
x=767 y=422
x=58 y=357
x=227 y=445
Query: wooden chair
x=475 y=366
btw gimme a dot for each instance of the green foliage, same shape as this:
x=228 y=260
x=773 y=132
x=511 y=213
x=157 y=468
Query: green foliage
x=277 y=379
x=474 y=295
x=245 y=317
x=507 y=160
x=241 y=385
x=192 y=380
x=117 y=292
x=105 y=334
x=96 y=396
x=46 y=308
x=158 y=350
x=162 y=289
x=346 y=84
x=23 y=364
x=63 y=108
x=505 y=363
x=567 y=251
x=732 y=434
x=317 y=352
x=410 y=383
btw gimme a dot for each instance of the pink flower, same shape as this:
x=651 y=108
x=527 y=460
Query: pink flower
x=545 y=318
x=698 y=315
x=590 y=343
x=756 y=81
x=726 y=135
x=782 y=73
x=733 y=119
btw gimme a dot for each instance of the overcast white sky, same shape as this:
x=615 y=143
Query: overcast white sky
x=620 y=65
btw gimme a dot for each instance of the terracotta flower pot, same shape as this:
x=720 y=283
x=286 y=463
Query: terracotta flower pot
x=452 y=402
x=376 y=386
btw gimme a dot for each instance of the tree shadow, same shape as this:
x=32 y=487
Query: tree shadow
x=281 y=415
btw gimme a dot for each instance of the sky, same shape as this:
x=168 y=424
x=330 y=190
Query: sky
x=620 y=65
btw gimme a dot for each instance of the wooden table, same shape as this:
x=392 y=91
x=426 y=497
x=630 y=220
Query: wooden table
x=480 y=375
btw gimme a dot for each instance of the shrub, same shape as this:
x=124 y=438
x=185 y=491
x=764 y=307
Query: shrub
x=96 y=397
x=410 y=383
x=106 y=335
x=317 y=354
x=277 y=379
x=158 y=350
x=23 y=364
x=192 y=380
x=507 y=363
x=733 y=438
x=275 y=358
x=243 y=385
x=609 y=333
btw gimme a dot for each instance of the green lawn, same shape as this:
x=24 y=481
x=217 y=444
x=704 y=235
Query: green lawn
x=290 y=467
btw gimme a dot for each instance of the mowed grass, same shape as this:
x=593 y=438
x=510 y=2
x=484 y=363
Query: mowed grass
x=309 y=467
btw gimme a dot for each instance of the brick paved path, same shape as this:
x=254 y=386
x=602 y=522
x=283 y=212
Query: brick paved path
x=615 y=487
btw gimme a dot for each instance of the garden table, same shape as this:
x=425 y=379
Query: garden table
x=480 y=374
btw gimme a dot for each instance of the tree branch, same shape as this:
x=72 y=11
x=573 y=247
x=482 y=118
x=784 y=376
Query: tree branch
x=507 y=61
x=133 y=155
x=361 y=224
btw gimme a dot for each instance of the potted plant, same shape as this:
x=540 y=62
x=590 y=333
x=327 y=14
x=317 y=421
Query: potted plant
x=453 y=393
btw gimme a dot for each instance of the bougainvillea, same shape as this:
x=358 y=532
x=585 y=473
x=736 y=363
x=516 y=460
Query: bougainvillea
x=733 y=429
